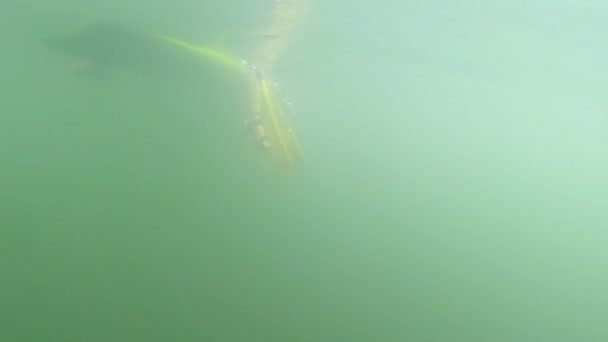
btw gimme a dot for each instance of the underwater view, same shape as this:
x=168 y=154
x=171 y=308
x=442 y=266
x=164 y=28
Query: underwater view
x=303 y=170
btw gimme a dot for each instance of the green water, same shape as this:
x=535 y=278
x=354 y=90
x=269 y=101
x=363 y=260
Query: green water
x=455 y=186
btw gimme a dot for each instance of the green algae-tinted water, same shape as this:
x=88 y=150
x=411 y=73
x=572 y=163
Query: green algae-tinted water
x=454 y=186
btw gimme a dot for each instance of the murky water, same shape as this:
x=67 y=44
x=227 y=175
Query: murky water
x=453 y=190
